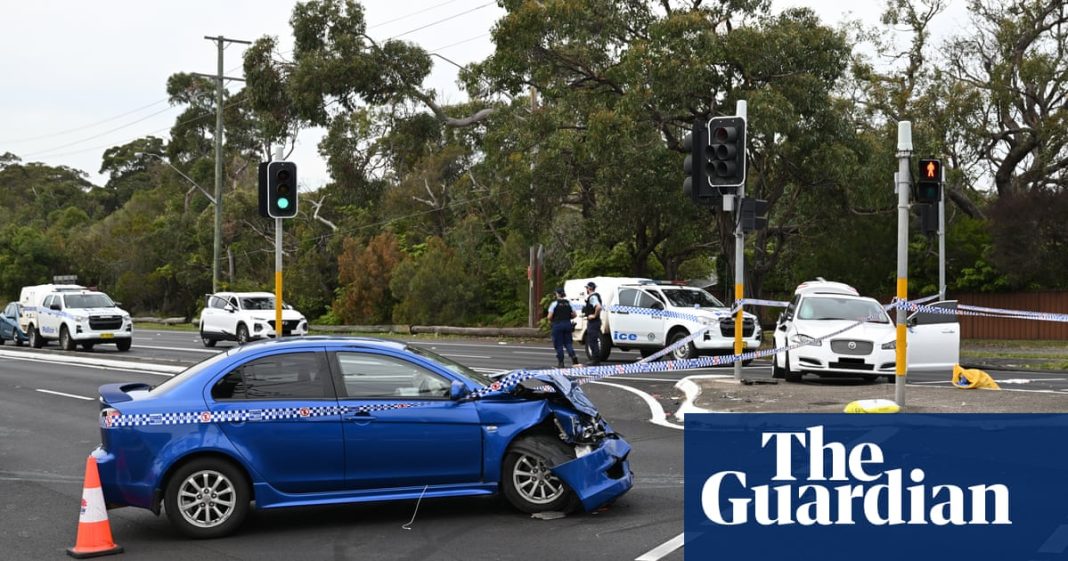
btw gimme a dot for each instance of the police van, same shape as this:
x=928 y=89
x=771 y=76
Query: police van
x=696 y=309
x=73 y=316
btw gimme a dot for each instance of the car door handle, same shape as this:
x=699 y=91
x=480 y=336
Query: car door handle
x=360 y=417
x=949 y=331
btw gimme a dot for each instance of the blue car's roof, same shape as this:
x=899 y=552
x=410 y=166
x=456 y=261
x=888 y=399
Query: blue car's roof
x=326 y=341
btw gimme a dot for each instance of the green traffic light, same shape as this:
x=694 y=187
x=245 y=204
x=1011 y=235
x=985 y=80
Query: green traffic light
x=283 y=203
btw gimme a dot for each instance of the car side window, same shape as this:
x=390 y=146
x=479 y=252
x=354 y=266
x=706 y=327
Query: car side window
x=627 y=296
x=789 y=313
x=303 y=375
x=646 y=300
x=376 y=376
x=47 y=302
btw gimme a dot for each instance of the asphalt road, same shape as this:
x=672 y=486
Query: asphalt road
x=48 y=425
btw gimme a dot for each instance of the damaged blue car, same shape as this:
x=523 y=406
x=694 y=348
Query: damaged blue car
x=328 y=420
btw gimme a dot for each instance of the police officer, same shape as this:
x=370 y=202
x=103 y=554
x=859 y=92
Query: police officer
x=560 y=316
x=592 y=311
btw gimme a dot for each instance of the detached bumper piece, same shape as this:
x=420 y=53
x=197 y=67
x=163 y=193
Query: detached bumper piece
x=600 y=476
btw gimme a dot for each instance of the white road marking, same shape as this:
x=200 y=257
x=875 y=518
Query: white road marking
x=187 y=350
x=466 y=356
x=540 y=353
x=66 y=394
x=662 y=550
x=658 y=415
x=100 y=363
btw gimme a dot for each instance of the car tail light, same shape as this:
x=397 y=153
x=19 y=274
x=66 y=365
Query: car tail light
x=108 y=417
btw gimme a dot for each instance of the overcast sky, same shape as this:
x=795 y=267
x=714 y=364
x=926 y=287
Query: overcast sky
x=80 y=77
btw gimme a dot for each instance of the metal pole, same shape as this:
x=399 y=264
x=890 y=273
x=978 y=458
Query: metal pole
x=904 y=153
x=942 y=240
x=217 y=243
x=739 y=259
x=279 y=155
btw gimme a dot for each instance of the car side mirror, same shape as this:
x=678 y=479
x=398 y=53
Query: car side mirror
x=658 y=306
x=117 y=304
x=230 y=308
x=55 y=307
x=457 y=390
x=911 y=322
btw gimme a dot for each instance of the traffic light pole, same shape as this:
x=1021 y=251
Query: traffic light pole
x=279 y=154
x=904 y=157
x=942 y=239
x=741 y=110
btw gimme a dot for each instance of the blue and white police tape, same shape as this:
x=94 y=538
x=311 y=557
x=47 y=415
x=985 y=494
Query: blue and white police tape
x=965 y=310
x=717 y=314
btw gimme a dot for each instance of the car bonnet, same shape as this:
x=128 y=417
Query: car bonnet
x=569 y=391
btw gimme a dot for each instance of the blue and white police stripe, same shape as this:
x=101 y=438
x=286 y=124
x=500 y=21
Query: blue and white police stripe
x=114 y=419
x=965 y=310
x=718 y=314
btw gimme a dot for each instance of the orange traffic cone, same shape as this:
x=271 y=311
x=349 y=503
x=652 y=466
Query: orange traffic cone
x=94 y=531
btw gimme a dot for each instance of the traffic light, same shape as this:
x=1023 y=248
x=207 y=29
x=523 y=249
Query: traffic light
x=696 y=185
x=929 y=184
x=754 y=214
x=726 y=163
x=281 y=189
x=929 y=219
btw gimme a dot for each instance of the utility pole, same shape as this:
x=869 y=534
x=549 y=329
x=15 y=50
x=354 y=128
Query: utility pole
x=904 y=157
x=942 y=238
x=279 y=155
x=219 y=77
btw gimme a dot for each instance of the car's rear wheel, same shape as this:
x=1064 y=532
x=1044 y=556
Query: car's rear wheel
x=242 y=334
x=208 y=341
x=606 y=348
x=35 y=338
x=124 y=344
x=207 y=498
x=65 y=341
x=526 y=480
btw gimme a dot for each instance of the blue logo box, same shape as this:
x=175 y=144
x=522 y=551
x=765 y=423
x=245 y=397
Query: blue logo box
x=876 y=487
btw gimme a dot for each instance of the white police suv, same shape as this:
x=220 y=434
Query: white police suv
x=674 y=312
x=80 y=317
x=867 y=350
x=246 y=316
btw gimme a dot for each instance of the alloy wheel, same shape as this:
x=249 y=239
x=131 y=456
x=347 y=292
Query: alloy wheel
x=206 y=499
x=535 y=483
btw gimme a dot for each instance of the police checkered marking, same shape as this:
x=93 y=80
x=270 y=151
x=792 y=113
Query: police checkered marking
x=719 y=314
x=114 y=419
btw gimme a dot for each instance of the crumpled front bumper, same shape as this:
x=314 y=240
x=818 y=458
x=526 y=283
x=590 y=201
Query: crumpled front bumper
x=600 y=476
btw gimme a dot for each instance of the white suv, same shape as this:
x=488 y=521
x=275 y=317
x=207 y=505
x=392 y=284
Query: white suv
x=81 y=317
x=246 y=316
x=867 y=350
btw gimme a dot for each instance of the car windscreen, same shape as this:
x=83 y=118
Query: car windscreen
x=831 y=308
x=451 y=365
x=691 y=297
x=260 y=303
x=88 y=301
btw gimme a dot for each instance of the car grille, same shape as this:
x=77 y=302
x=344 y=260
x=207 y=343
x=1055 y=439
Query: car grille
x=859 y=348
x=287 y=324
x=726 y=327
x=851 y=364
x=105 y=323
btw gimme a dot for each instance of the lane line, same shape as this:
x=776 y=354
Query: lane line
x=467 y=356
x=658 y=415
x=662 y=550
x=181 y=349
x=100 y=364
x=65 y=394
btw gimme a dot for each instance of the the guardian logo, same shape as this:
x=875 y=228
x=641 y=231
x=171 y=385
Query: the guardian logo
x=867 y=492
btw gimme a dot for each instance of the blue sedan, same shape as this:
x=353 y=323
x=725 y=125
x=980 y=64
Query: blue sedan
x=9 y=325
x=327 y=420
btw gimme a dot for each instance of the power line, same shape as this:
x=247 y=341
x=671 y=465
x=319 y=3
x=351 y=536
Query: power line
x=442 y=20
x=105 y=133
x=112 y=144
x=406 y=16
x=83 y=127
x=458 y=43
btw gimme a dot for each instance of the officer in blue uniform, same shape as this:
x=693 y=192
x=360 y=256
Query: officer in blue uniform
x=560 y=316
x=592 y=311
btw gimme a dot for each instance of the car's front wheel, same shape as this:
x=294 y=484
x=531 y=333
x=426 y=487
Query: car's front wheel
x=65 y=341
x=208 y=341
x=124 y=344
x=684 y=352
x=790 y=374
x=207 y=498
x=526 y=480
x=242 y=334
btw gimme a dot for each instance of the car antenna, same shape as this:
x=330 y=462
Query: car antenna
x=408 y=526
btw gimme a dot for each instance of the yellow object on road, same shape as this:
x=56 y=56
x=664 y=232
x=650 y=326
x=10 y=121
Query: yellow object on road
x=872 y=406
x=972 y=378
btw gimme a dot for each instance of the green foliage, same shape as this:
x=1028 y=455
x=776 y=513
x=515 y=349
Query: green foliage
x=436 y=288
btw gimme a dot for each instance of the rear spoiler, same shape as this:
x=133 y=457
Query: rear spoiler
x=117 y=393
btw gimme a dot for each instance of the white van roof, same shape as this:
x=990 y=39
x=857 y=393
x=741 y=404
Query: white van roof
x=820 y=286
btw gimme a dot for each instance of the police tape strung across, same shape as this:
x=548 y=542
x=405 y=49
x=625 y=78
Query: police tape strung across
x=975 y=311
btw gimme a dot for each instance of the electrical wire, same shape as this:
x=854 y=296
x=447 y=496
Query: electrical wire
x=443 y=20
x=406 y=16
x=83 y=127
